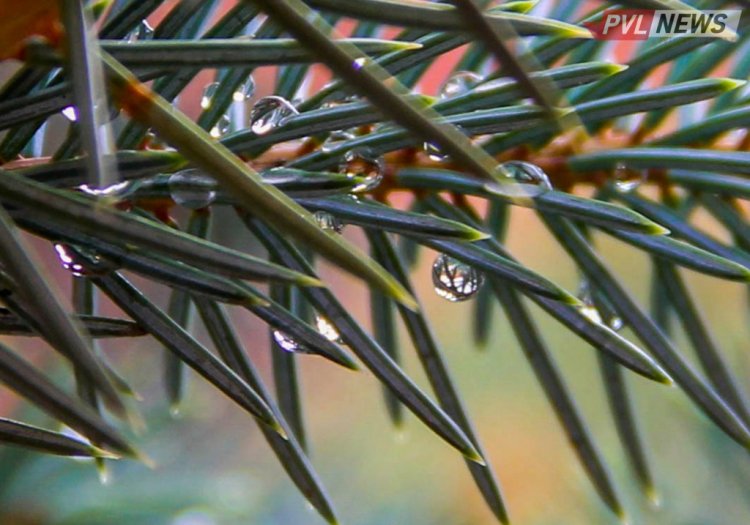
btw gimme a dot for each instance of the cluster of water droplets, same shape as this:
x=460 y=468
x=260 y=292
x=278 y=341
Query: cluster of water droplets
x=192 y=189
x=236 y=110
x=328 y=222
x=455 y=280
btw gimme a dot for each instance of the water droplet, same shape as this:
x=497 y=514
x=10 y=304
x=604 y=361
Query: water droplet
x=527 y=173
x=269 y=113
x=221 y=127
x=328 y=222
x=359 y=63
x=114 y=190
x=105 y=475
x=626 y=180
x=143 y=31
x=208 y=95
x=336 y=138
x=326 y=329
x=458 y=84
x=615 y=323
x=363 y=162
x=455 y=280
x=153 y=141
x=193 y=517
x=433 y=152
x=70 y=113
x=288 y=343
x=192 y=189
x=71 y=261
x=588 y=308
x=245 y=90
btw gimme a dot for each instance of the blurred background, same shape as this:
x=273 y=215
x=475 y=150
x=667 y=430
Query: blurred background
x=212 y=466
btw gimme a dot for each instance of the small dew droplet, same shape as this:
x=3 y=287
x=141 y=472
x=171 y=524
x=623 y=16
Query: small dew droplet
x=458 y=84
x=288 y=343
x=245 y=90
x=326 y=329
x=70 y=261
x=526 y=173
x=455 y=280
x=221 y=127
x=143 y=31
x=335 y=139
x=625 y=179
x=105 y=475
x=208 y=95
x=359 y=63
x=192 y=189
x=615 y=323
x=115 y=190
x=363 y=162
x=269 y=113
x=433 y=152
x=588 y=308
x=70 y=113
x=328 y=222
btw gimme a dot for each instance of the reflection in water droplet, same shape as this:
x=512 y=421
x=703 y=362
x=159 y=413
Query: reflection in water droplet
x=458 y=84
x=208 y=95
x=245 y=90
x=626 y=180
x=326 y=329
x=143 y=31
x=328 y=222
x=455 y=280
x=70 y=113
x=221 y=127
x=359 y=63
x=363 y=162
x=192 y=189
x=269 y=113
x=288 y=343
x=526 y=173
